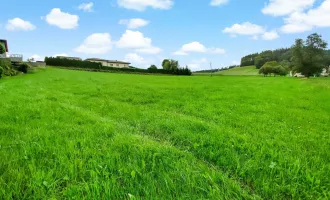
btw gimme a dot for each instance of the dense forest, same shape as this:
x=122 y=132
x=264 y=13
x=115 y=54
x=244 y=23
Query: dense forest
x=259 y=59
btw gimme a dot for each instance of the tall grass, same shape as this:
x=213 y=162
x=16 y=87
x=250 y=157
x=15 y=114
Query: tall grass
x=75 y=134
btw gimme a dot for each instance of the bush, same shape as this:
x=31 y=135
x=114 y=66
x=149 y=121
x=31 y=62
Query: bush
x=5 y=63
x=62 y=62
x=7 y=67
x=23 y=68
x=273 y=67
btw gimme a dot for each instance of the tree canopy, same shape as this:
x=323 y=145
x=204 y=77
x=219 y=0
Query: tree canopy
x=274 y=68
x=2 y=49
x=170 y=65
x=309 y=56
x=153 y=67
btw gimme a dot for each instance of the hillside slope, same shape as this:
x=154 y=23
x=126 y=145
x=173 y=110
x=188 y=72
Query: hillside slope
x=240 y=71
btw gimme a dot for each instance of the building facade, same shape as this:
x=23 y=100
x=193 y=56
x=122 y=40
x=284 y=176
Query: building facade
x=110 y=63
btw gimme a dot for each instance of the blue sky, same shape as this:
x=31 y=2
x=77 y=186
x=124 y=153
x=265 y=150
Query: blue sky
x=144 y=32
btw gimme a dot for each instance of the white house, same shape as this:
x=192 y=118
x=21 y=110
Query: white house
x=110 y=63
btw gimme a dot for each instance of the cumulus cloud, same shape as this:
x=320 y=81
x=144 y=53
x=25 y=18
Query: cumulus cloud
x=135 y=40
x=197 y=47
x=61 y=19
x=87 y=7
x=245 y=28
x=134 y=23
x=138 y=60
x=37 y=57
x=286 y=7
x=141 y=5
x=18 y=24
x=198 y=64
x=254 y=30
x=272 y=35
x=97 y=43
x=304 y=21
x=60 y=54
x=134 y=58
x=218 y=2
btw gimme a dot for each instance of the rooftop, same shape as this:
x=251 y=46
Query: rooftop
x=109 y=61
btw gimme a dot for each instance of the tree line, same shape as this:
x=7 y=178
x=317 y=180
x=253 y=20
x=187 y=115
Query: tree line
x=171 y=68
x=308 y=57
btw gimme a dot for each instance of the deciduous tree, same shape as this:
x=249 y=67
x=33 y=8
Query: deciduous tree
x=309 y=56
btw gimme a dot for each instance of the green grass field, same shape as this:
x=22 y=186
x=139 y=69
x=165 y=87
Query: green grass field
x=83 y=135
x=241 y=71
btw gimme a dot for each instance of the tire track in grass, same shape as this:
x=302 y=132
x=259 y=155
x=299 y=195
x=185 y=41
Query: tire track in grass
x=164 y=141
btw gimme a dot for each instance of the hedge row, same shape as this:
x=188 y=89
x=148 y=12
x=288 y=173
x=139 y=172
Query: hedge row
x=63 y=62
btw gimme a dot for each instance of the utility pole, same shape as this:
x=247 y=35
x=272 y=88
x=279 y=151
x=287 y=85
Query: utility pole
x=211 y=69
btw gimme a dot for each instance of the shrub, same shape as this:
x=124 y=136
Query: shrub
x=23 y=68
x=7 y=67
x=273 y=67
x=5 y=63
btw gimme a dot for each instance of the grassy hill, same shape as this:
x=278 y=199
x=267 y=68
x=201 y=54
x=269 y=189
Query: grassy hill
x=87 y=135
x=240 y=71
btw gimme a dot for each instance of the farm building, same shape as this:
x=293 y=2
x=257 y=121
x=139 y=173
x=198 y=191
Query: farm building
x=110 y=63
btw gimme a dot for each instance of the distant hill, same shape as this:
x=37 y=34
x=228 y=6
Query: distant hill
x=240 y=71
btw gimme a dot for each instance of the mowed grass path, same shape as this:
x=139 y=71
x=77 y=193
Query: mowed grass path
x=83 y=135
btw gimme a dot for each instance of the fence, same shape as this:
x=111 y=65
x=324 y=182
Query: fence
x=13 y=57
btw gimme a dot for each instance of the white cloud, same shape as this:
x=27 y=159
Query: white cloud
x=197 y=47
x=198 y=64
x=255 y=37
x=138 y=60
x=245 y=28
x=272 y=35
x=134 y=58
x=295 y=28
x=218 y=2
x=87 y=7
x=37 y=57
x=304 y=21
x=18 y=24
x=134 y=23
x=61 y=19
x=97 y=43
x=235 y=62
x=135 y=40
x=60 y=54
x=149 y=50
x=193 y=47
x=286 y=7
x=141 y=5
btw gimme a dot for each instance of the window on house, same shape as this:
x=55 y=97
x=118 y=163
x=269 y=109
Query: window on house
x=111 y=65
x=117 y=65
